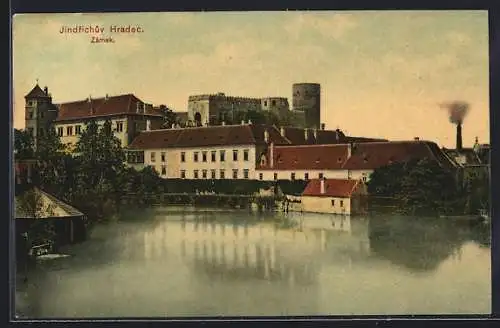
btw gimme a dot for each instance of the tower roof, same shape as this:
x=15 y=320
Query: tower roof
x=36 y=92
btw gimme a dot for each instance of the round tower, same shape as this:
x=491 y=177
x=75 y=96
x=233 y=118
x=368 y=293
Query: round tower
x=307 y=98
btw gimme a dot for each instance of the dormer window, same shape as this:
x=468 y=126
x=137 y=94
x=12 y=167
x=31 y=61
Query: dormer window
x=263 y=160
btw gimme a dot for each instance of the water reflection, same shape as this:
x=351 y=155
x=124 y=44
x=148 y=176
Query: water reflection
x=418 y=244
x=240 y=264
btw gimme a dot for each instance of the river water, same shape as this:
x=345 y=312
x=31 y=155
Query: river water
x=171 y=262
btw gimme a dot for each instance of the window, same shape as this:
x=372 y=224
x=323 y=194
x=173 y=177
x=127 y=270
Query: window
x=41 y=114
x=163 y=156
x=119 y=126
x=261 y=176
x=292 y=176
x=275 y=176
x=235 y=173
x=333 y=202
x=265 y=103
x=195 y=156
x=245 y=173
x=222 y=174
x=60 y=131
x=183 y=174
x=30 y=131
x=235 y=155
x=204 y=156
x=153 y=157
x=341 y=203
x=212 y=174
x=320 y=176
x=214 y=154
x=163 y=170
x=273 y=102
x=245 y=155
x=30 y=115
x=222 y=155
x=78 y=129
x=204 y=174
x=183 y=157
x=306 y=176
x=364 y=178
x=41 y=132
x=195 y=174
x=69 y=130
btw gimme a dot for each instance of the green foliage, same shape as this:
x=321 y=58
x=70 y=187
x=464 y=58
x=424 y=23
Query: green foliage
x=23 y=145
x=418 y=187
x=169 y=116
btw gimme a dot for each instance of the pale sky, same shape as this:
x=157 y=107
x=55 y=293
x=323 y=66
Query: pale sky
x=383 y=74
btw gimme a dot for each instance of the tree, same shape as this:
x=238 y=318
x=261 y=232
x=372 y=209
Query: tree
x=169 y=116
x=418 y=187
x=23 y=144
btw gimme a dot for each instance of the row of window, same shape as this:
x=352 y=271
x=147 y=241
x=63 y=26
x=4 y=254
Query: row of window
x=203 y=174
x=341 y=203
x=213 y=156
x=163 y=157
x=78 y=129
x=306 y=176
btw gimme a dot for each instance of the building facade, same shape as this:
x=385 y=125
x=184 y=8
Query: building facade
x=128 y=116
x=213 y=152
x=39 y=112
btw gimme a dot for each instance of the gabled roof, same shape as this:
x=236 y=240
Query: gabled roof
x=206 y=136
x=306 y=157
x=373 y=155
x=36 y=92
x=333 y=188
x=113 y=105
x=49 y=207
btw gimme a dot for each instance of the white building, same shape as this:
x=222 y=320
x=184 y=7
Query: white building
x=128 y=115
x=211 y=152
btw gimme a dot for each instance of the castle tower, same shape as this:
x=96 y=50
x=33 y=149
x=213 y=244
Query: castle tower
x=307 y=99
x=39 y=112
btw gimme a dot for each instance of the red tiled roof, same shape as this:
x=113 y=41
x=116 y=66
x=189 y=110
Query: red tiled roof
x=333 y=188
x=307 y=157
x=373 y=155
x=36 y=92
x=297 y=136
x=113 y=105
x=206 y=136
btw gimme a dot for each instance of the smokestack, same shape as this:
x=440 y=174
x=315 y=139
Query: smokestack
x=322 y=185
x=271 y=155
x=459 y=136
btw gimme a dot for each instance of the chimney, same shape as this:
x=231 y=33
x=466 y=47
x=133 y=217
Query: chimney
x=106 y=97
x=138 y=109
x=322 y=188
x=349 y=150
x=459 y=136
x=322 y=126
x=271 y=155
x=306 y=134
x=315 y=133
x=242 y=122
x=266 y=135
x=337 y=136
x=223 y=123
x=249 y=122
x=46 y=91
x=148 y=125
x=89 y=99
x=416 y=138
x=282 y=131
x=173 y=125
x=206 y=123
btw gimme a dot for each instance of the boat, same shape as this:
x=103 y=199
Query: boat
x=44 y=251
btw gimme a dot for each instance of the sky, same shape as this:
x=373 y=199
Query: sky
x=382 y=73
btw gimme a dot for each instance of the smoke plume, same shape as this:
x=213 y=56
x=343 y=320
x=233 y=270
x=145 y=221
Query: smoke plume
x=457 y=110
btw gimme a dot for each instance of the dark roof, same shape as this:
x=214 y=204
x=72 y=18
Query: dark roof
x=113 y=105
x=373 y=155
x=333 y=188
x=206 y=136
x=36 y=92
x=364 y=156
x=52 y=207
x=306 y=157
x=297 y=136
x=471 y=157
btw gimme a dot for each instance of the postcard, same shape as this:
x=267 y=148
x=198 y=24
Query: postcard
x=226 y=164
